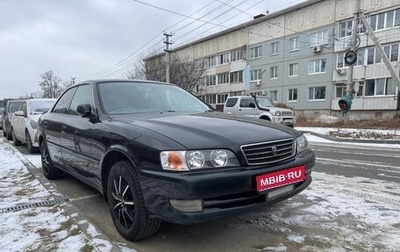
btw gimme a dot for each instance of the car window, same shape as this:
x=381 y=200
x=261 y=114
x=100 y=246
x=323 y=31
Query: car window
x=64 y=101
x=231 y=102
x=40 y=106
x=134 y=97
x=14 y=106
x=245 y=102
x=22 y=107
x=83 y=95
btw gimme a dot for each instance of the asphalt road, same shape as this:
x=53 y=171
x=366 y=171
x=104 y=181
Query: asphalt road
x=237 y=233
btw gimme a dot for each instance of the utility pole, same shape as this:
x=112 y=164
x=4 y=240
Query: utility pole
x=167 y=54
x=350 y=58
x=73 y=80
x=353 y=47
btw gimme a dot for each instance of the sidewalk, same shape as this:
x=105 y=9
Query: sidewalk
x=34 y=217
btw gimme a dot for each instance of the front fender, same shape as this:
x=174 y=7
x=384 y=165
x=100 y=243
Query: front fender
x=265 y=115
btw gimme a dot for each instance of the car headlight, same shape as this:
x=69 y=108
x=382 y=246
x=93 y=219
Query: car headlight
x=34 y=124
x=197 y=159
x=275 y=113
x=301 y=143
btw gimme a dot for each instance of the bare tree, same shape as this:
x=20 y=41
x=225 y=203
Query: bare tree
x=50 y=84
x=138 y=72
x=184 y=73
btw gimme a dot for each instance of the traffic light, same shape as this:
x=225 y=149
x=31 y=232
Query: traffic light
x=345 y=103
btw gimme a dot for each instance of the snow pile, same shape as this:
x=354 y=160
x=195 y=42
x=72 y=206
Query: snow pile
x=34 y=228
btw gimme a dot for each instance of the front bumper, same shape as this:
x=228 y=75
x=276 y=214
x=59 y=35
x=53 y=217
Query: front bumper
x=223 y=193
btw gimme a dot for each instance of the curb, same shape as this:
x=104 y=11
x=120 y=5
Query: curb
x=352 y=140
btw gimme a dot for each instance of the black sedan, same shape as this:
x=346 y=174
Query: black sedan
x=158 y=153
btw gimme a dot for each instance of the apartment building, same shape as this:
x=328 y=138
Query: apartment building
x=296 y=56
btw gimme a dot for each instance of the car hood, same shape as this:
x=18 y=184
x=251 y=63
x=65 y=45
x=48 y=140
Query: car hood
x=211 y=130
x=34 y=117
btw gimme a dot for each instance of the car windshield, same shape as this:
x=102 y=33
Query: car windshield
x=40 y=106
x=263 y=101
x=137 y=97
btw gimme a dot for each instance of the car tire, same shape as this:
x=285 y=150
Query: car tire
x=29 y=144
x=49 y=171
x=16 y=142
x=126 y=203
x=8 y=135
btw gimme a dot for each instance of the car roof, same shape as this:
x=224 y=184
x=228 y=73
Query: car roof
x=97 y=81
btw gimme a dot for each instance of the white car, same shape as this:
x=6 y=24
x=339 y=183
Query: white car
x=24 y=121
x=260 y=107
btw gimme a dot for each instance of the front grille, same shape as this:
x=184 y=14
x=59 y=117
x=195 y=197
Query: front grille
x=286 y=113
x=269 y=152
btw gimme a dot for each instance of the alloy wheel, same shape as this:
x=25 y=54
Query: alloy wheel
x=124 y=205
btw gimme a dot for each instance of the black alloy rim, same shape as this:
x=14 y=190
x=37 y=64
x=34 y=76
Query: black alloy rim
x=124 y=206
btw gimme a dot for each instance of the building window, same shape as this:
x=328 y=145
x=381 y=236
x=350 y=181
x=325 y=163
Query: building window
x=340 y=90
x=223 y=78
x=360 y=89
x=380 y=87
x=385 y=20
x=274 y=48
x=392 y=52
x=255 y=74
x=319 y=38
x=210 y=99
x=210 y=61
x=221 y=98
x=316 y=66
x=316 y=93
x=223 y=58
x=293 y=69
x=370 y=55
x=236 y=77
x=360 y=57
x=292 y=95
x=211 y=80
x=346 y=28
x=273 y=72
x=255 y=52
x=237 y=54
x=294 y=44
x=273 y=95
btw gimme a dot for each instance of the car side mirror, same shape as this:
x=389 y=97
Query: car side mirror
x=252 y=105
x=85 y=110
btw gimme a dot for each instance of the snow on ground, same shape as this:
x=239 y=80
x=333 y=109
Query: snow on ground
x=335 y=213
x=33 y=228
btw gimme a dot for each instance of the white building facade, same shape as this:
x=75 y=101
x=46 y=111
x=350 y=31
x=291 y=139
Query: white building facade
x=296 y=56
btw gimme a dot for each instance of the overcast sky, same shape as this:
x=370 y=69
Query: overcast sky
x=90 y=39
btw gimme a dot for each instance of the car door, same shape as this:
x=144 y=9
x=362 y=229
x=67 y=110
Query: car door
x=247 y=107
x=52 y=126
x=76 y=136
x=18 y=121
